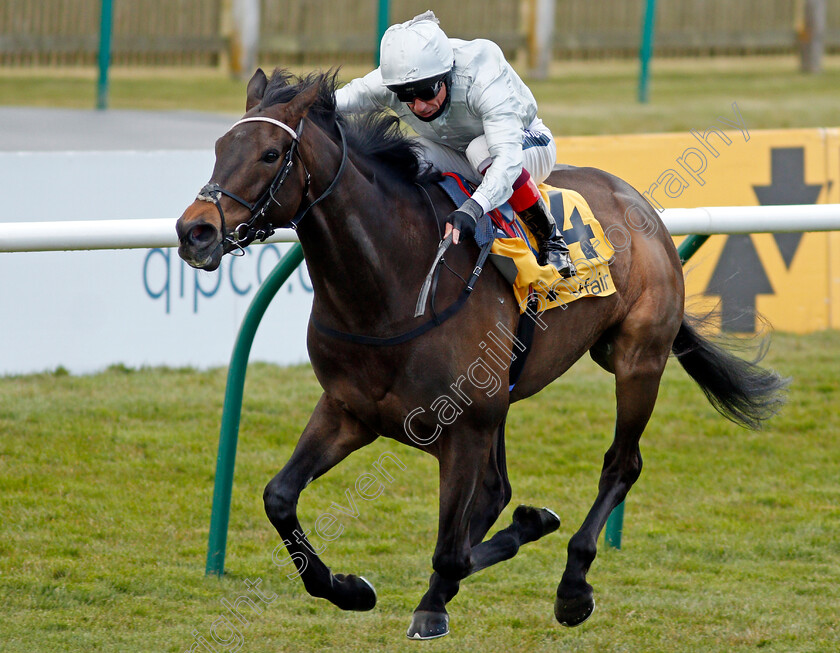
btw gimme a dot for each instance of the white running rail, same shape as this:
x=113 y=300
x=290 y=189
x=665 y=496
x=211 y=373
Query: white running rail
x=160 y=232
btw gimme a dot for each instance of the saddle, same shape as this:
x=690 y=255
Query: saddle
x=514 y=250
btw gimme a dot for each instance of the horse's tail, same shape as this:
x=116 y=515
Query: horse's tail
x=739 y=389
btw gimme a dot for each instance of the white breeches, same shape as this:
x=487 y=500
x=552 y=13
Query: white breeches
x=539 y=154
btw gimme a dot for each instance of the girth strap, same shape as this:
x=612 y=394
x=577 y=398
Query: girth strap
x=525 y=336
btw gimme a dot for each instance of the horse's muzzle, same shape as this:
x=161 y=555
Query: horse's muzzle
x=200 y=243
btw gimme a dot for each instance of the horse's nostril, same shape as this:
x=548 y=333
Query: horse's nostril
x=201 y=234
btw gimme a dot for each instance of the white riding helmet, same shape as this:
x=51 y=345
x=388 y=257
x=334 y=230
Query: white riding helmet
x=414 y=51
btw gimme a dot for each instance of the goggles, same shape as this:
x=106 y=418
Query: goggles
x=425 y=90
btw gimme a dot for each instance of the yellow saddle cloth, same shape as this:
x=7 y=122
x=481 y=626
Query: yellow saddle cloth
x=589 y=248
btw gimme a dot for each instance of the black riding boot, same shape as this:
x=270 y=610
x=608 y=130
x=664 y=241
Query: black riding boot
x=553 y=248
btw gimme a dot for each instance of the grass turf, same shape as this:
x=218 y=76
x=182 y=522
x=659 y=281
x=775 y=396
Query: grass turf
x=730 y=539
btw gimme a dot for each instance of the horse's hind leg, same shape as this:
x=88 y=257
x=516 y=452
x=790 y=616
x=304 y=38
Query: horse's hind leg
x=638 y=359
x=331 y=435
x=430 y=619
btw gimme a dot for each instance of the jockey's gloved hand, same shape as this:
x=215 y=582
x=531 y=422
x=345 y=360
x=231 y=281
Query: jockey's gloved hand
x=465 y=218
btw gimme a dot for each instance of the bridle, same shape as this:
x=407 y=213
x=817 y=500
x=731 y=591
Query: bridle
x=246 y=232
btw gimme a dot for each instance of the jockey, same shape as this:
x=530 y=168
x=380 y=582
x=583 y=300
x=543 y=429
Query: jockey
x=474 y=116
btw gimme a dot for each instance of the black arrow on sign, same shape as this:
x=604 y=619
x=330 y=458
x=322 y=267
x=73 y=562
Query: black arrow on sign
x=787 y=186
x=739 y=275
x=737 y=279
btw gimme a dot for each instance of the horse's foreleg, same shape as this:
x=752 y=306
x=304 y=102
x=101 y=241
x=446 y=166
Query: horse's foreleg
x=638 y=364
x=331 y=435
x=431 y=619
x=528 y=525
x=463 y=464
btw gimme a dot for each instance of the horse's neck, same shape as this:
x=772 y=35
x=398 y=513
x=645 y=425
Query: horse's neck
x=365 y=247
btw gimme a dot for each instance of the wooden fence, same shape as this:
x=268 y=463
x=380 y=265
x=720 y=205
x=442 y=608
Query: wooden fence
x=343 y=31
x=685 y=27
x=146 y=32
x=193 y=32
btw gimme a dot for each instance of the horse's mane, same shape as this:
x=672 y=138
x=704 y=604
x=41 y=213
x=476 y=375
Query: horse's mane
x=375 y=135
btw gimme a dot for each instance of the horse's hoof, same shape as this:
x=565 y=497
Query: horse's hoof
x=573 y=612
x=353 y=593
x=550 y=520
x=535 y=522
x=428 y=625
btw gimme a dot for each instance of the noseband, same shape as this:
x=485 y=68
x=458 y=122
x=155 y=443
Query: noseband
x=246 y=232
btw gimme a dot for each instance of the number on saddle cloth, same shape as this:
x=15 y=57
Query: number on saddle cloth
x=579 y=232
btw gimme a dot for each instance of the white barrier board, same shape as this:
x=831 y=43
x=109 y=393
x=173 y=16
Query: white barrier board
x=88 y=310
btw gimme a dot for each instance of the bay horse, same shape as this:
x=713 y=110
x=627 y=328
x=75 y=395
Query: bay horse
x=369 y=217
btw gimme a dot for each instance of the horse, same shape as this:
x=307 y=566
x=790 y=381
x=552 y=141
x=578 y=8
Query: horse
x=369 y=217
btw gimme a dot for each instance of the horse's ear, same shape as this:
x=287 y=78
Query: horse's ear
x=256 y=89
x=299 y=105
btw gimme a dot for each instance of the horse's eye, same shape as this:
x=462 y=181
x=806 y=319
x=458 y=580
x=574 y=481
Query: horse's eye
x=271 y=156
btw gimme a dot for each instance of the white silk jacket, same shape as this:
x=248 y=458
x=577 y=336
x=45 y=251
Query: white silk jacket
x=487 y=97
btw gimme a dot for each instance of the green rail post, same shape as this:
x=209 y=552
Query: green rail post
x=229 y=432
x=646 y=50
x=689 y=246
x=106 y=22
x=382 y=18
x=615 y=522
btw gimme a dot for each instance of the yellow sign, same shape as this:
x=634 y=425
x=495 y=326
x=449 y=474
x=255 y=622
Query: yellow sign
x=793 y=279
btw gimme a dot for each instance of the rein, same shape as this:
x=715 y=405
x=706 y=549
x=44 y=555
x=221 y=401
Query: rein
x=436 y=320
x=246 y=232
